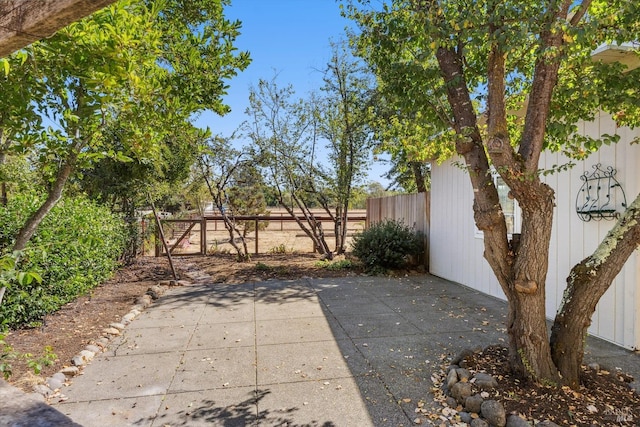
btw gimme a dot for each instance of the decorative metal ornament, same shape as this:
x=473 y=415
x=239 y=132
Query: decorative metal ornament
x=601 y=195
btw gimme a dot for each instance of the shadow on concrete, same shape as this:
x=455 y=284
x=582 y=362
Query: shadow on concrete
x=230 y=295
x=240 y=414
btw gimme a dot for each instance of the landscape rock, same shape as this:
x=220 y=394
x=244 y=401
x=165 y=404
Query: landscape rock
x=39 y=397
x=93 y=348
x=463 y=374
x=479 y=422
x=462 y=356
x=515 y=421
x=77 y=360
x=59 y=375
x=594 y=367
x=460 y=391
x=116 y=325
x=102 y=341
x=494 y=413
x=70 y=371
x=473 y=403
x=155 y=292
x=465 y=417
x=485 y=381
x=128 y=318
x=55 y=383
x=451 y=402
x=43 y=390
x=144 y=300
x=111 y=331
x=87 y=355
x=20 y=409
x=452 y=378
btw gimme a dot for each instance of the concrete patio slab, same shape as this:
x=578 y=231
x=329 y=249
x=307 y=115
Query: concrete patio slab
x=227 y=407
x=312 y=361
x=221 y=335
x=135 y=411
x=315 y=403
x=241 y=311
x=124 y=376
x=167 y=317
x=296 y=330
x=353 y=351
x=215 y=368
x=288 y=309
x=153 y=340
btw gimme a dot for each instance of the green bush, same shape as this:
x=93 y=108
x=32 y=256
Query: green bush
x=76 y=248
x=343 y=264
x=387 y=245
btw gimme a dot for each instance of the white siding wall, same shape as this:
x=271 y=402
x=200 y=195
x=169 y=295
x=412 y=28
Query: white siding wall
x=455 y=249
x=453 y=234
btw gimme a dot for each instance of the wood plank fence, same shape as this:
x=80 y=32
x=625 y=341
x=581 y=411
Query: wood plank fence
x=412 y=209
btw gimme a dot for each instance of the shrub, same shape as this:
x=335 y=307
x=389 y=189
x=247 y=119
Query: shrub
x=75 y=249
x=387 y=244
x=343 y=264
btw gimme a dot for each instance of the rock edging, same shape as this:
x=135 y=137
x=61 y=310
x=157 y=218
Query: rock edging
x=465 y=398
x=54 y=384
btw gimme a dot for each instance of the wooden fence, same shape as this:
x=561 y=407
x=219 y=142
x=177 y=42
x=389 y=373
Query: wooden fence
x=193 y=236
x=412 y=209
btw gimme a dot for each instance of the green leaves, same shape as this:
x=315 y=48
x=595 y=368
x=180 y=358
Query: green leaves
x=387 y=244
x=399 y=41
x=76 y=248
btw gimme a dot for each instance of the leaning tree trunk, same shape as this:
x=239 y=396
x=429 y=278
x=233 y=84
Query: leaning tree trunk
x=28 y=230
x=586 y=284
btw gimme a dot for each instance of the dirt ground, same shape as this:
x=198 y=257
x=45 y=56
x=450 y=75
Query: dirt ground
x=75 y=325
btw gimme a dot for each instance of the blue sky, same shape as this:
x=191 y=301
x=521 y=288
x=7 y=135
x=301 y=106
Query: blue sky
x=288 y=37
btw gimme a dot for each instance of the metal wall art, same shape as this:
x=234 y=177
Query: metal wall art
x=601 y=195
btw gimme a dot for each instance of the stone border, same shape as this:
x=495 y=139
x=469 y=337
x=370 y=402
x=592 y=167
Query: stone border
x=53 y=385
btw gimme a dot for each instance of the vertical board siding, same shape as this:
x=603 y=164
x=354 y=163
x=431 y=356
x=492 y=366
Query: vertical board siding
x=456 y=249
x=411 y=209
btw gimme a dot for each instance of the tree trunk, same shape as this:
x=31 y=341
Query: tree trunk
x=29 y=228
x=521 y=273
x=524 y=286
x=229 y=223
x=586 y=284
x=418 y=176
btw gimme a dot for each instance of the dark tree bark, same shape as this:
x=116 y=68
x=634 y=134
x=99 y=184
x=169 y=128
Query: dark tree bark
x=521 y=274
x=586 y=284
x=521 y=271
x=418 y=176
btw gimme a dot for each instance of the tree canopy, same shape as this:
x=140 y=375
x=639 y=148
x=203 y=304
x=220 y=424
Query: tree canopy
x=497 y=82
x=141 y=69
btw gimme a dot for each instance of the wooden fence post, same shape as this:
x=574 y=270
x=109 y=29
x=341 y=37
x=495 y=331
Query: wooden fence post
x=256 y=249
x=203 y=236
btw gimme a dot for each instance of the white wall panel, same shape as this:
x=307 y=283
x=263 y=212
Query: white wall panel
x=457 y=253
